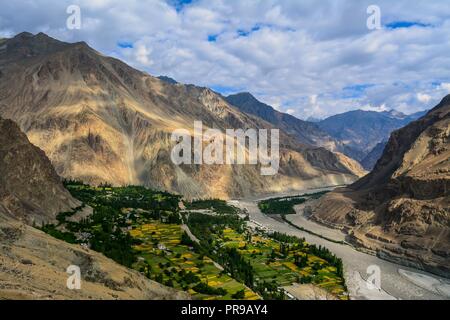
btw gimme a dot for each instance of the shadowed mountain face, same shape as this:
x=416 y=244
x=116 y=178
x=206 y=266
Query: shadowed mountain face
x=100 y=120
x=371 y=159
x=360 y=131
x=30 y=189
x=402 y=208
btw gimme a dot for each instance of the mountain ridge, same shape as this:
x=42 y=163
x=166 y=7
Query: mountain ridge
x=362 y=130
x=100 y=120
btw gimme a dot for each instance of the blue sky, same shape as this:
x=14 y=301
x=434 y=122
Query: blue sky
x=305 y=57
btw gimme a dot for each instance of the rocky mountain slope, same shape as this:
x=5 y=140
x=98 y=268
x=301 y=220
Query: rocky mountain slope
x=30 y=189
x=402 y=208
x=100 y=120
x=370 y=160
x=305 y=132
x=360 y=131
x=33 y=264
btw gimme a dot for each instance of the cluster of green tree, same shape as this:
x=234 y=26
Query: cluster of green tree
x=184 y=279
x=62 y=216
x=207 y=229
x=285 y=205
x=328 y=256
x=124 y=197
x=61 y=235
x=207 y=289
x=105 y=230
x=301 y=261
x=282 y=237
x=217 y=205
x=269 y=290
x=280 y=206
x=186 y=240
x=318 y=251
x=206 y=225
x=236 y=265
x=239 y=295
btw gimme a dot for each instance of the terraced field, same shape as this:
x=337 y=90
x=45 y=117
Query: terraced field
x=165 y=259
x=272 y=263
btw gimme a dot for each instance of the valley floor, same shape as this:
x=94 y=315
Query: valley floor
x=397 y=282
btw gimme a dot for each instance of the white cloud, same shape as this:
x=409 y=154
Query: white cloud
x=423 y=97
x=446 y=87
x=293 y=50
x=375 y=108
x=142 y=54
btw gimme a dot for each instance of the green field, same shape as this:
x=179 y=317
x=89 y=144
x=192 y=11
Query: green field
x=144 y=229
x=267 y=262
x=167 y=260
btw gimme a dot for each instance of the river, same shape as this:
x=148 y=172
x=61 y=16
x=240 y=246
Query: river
x=359 y=267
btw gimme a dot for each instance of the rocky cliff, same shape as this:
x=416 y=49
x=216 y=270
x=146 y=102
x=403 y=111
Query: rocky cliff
x=30 y=189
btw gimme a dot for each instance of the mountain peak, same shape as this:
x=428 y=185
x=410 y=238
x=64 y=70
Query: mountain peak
x=26 y=45
x=168 y=79
x=242 y=96
x=24 y=34
x=445 y=100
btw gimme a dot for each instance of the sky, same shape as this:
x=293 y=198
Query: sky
x=304 y=57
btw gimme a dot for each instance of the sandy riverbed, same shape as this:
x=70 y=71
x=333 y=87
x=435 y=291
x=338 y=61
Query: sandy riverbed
x=358 y=266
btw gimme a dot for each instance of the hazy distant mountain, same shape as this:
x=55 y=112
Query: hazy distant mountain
x=304 y=131
x=372 y=157
x=34 y=263
x=99 y=120
x=401 y=209
x=313 y=119
x=363 y=130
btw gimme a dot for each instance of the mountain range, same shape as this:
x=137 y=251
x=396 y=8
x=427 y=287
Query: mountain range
x=401 y=210
x=355 y=134
x=100 y=120
x=361 y=131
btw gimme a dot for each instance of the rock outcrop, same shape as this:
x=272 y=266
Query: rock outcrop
x=30 y=189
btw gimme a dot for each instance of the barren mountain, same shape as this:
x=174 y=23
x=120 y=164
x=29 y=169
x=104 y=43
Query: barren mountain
x=33 y=264
x=30 y=189
x=100 y=120
x=360 y=131
x=305 y=132
x=370 y=160
x=402 y=208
